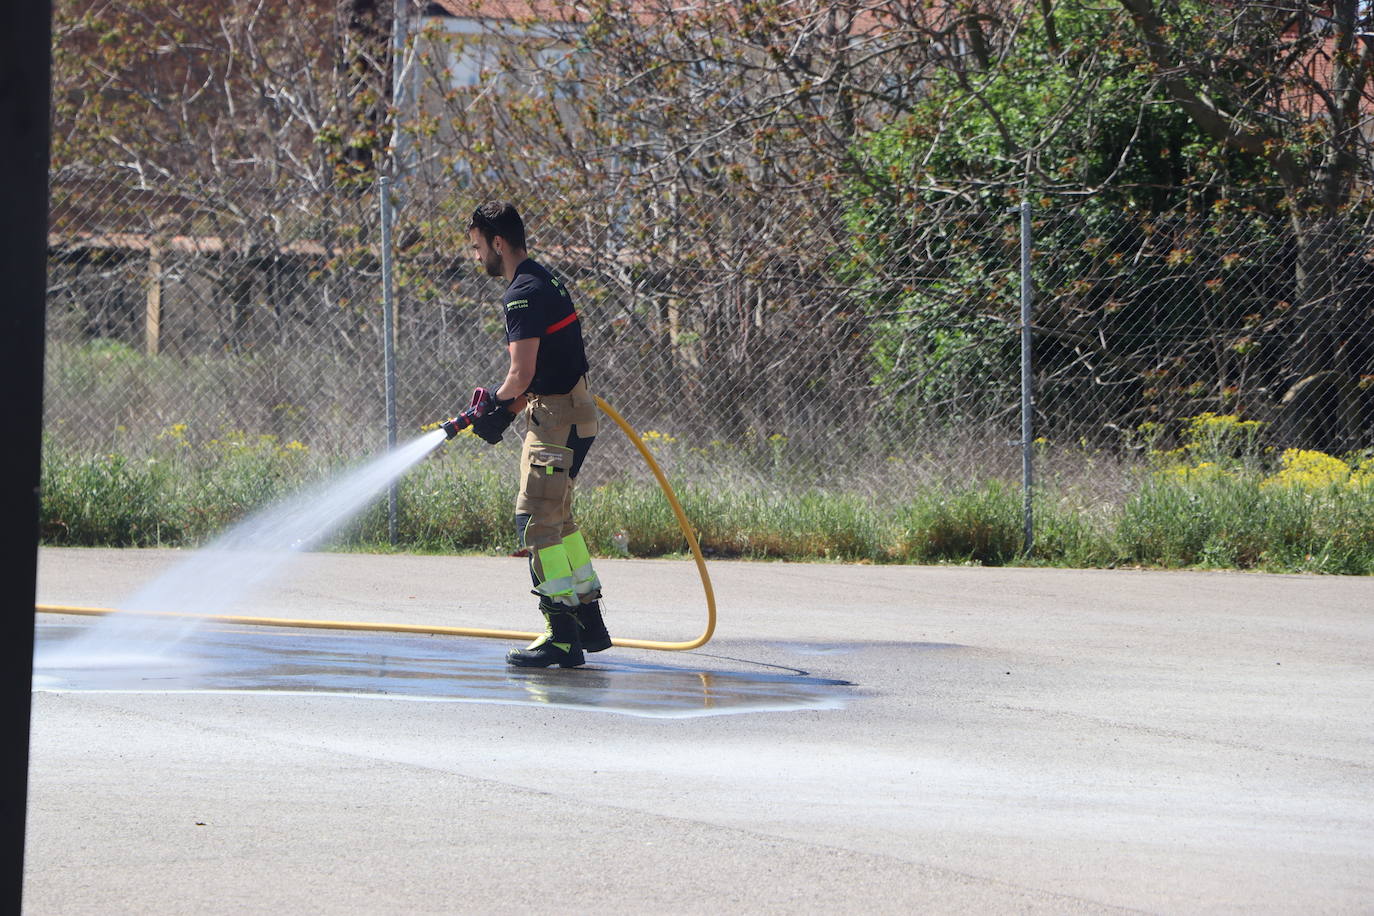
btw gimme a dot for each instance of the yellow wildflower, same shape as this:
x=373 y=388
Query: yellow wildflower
x=1309 y=470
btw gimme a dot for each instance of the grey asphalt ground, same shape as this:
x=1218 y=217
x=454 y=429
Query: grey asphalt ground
x=1010 y=741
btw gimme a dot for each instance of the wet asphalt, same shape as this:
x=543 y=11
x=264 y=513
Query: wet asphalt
x=855 y=738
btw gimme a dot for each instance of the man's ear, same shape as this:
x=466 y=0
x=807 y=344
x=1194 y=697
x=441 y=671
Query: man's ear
x=498 y=245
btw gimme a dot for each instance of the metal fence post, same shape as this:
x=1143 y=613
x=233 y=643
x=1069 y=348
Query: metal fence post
x=1027 y=383
x=389 y=347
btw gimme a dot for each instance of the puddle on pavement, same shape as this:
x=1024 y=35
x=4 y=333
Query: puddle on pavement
x=233 y=659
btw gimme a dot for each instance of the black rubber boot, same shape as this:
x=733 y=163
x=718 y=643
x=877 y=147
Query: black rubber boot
x=594 y=635
x=560 y=644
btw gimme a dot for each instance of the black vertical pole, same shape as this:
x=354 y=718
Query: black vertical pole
x=25 y=55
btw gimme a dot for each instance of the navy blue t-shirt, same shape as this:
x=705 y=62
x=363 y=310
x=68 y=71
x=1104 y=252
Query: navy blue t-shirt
x=539 y=305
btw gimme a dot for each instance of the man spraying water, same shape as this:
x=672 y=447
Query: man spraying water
x=547 y=384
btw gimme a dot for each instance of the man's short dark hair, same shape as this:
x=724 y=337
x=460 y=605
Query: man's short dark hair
x=499 y=217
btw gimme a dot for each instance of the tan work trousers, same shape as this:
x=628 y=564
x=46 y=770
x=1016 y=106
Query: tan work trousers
x=559 y=432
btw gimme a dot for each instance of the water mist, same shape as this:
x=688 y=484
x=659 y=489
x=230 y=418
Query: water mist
x=215 y=578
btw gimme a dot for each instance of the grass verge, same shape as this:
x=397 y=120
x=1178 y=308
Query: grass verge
x=1176 y=513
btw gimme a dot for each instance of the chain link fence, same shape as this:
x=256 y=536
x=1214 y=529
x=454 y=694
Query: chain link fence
x=837 y=349
x=781 y=323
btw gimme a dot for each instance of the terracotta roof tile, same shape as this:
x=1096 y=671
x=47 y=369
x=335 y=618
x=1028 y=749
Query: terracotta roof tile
x=539 y=10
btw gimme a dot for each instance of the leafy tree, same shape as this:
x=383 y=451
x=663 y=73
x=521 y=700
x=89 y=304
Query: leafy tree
x=1162 y=291
x=1286 y=85
x=1052 y=105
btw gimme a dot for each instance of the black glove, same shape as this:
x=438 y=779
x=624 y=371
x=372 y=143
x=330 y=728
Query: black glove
x=491 y=425
x=490 y=417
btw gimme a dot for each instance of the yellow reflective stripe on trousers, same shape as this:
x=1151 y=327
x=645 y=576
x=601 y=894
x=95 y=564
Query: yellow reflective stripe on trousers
x=580 y=559
x=556 y=575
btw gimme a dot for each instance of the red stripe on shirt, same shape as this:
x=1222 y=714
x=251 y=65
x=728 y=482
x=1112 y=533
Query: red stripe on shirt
x=560 y=325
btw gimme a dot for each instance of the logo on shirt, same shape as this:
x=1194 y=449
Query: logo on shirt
x=516 y=304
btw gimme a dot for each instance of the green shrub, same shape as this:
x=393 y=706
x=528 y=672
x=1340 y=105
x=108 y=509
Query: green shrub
x=1247 y=521
x=981 y=523
x=107 y=500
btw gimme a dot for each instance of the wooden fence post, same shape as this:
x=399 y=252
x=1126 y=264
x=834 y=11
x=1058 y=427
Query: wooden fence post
x=152 y=324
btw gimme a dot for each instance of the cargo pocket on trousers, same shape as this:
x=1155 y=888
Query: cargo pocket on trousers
x=547 y=477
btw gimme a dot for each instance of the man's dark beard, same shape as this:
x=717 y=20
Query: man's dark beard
x=492 y=263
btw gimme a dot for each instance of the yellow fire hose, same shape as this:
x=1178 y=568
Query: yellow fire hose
x=469 y=631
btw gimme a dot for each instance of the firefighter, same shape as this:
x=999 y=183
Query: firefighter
x=547 y=385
